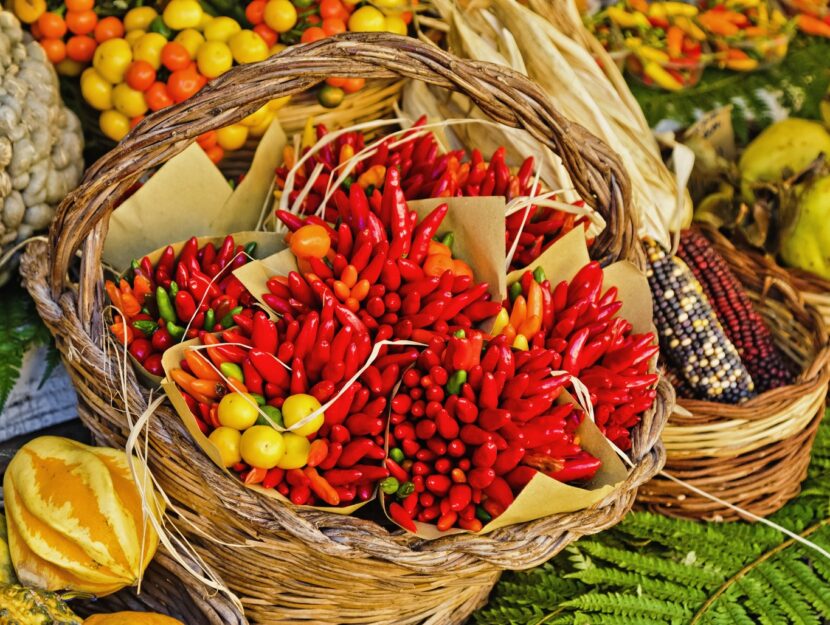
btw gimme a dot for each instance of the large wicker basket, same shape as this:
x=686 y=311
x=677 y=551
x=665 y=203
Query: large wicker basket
x=753 y=455
x=305 y=566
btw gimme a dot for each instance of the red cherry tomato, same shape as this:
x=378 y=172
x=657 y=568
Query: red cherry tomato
x=215 y=153
x=255 y=12
x=79 y=5
x=207 y=139
x=81 y=22
x=51 y=26
x=268 y=34
x=183 y=83
x=135 y=121
x=108 y=28
x=174 y=56
x=353 y=84
x=81 y=48
x=55 y=49
x=331 y=8
x=315 y=33
x=140 y=75
x=336 y=81
x=157 y=97
x=333 y=26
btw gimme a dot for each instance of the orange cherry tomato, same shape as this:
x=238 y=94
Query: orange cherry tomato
x=140 y=75
x=315 y=33
x=174 y=56
x=437 y=264
x=51 y=26
x=55 y=49
x=81 y=48
x=310 y=241
x=183 y=83
x=135 y=121
x=333 y=26
x=436 y=247
x=108 y=28
x=255 y=12
x=81 y=22
x=79 y=5
x=215 y=153
x=331 y=8
x=157 y=97
x=314 y=20
x=353 y=84
x=460 y=268
x=336 y=81
x=268 y=34
x=207 y=139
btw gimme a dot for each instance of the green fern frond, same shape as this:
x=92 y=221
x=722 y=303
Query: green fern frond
x=585 y=618
x=758 y=598
x=627 y=605
x=805 y=582
x=649 y=586
x=787 y=597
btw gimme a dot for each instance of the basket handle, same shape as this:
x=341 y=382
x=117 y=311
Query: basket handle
x=503 y=94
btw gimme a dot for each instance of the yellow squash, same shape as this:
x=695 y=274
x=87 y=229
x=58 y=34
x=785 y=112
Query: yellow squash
x=24 y=606
x=75 y=517
x=131 y=618
x=6 y=570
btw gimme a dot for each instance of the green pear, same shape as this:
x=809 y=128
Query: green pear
x=806 y=242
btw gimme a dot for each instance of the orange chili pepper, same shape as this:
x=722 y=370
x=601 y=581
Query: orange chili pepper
x=437 y=264
x=122 y=331
x=716 y=24
x=236 y=386
x=534 y=301
x=288 y=156
x=812 y=25
x=361 y=290
x=130 y=305
x=341 y=291
x=200 y=366
x=519 y=312
x=439 y=249
x=317 y=452
x=184 y=379
x=349 y=276
x=141 y=288
x=674 y=42
x=460 y=268
x=530 y=327
x=114 y=294
x=372 y=177
x=255 y=476
x=321 y=487
x=346 y=152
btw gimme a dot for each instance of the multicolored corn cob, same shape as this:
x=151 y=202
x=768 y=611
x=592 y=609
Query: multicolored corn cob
x=741 y=322
x=692 y=340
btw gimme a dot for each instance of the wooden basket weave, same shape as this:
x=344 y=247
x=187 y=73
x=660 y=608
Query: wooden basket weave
x=300 y=565
x=755 y=454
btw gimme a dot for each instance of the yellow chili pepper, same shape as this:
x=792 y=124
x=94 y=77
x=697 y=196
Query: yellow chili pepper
x=661 y=76
x=309 y=134
x=691 y=29
x=763 y=16
x=672 y=9
x=624 y=19
x=501 y=322
x=647 y=53
x=742 y=65
x=520 y=342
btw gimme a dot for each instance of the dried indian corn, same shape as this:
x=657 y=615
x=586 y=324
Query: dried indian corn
x=692 y=340
x=741 y=322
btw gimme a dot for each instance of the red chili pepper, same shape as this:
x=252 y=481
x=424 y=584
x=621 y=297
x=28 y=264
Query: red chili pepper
x=397 y=512
x=342 y=477
x=292 y=221
x=519 y=477
x=500 y=492
x=485 y=454
x=222 y=353
x=424 y=232
x=334 y=451
x=299 y=288
x=201 y=286
x=269 y=368
x=358 y=449
x=273 y=477
x=264 y=333
x=481 y=477
x=581 y=467
x=253 y=380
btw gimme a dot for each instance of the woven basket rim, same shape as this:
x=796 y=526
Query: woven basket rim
x=73 y=313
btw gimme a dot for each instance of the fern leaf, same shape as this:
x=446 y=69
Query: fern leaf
x=627 y=605
x=758 y=598
x=657 y=588
x=583 y=618
x=787 y=597
x=804 y=580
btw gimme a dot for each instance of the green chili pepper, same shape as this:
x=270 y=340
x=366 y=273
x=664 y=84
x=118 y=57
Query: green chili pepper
x=259 y=399
x=482 y=515
x=250 y=248
x=166 y=310
x=232 y=370
x=390 y=485
x=158 y=26
x=397 y=455
x=145 y=326
x=174 y=288
x=448 y=239
x=539 y=275
x=176 y=331
x=210 y=320
x=273 y=413
x=405 y=490
x=460 y=334
x=456 y=381
x=227 y=320
x=514 y=290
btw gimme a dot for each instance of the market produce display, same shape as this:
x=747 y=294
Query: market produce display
x=40 y=140
x=85 y=531
x=178 y=297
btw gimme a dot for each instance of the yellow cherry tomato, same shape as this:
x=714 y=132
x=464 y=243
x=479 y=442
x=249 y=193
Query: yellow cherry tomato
x=298 y=407
x=367 y=19
x=296 y=451
x=390 y=4
x=114 y=124
x=112 y=58
x=276 y=49
x=262 y=447
x=139 y=18
x=280 y=15
x=221 y=28
x=28 y=11
x=206 y=18
x=97 y=91
x=148 y=48
x=310 y=241
x=70 y=68
x=134 y=35
x=278 y=103
x=214 y=58
x=227 y=442
x=129 y=101
x=262 y=128
x=238 y=410
x=255 y=118
x=181 y=14
x=248 y=47
x=232 y=137
x=395 y=25
x=191 y=39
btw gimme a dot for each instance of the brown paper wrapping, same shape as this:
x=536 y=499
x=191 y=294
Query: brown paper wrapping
x=171 y=359
x=188 y=196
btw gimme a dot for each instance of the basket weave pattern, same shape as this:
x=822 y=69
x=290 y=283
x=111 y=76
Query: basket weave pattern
x=293 y=565
x=755 y=454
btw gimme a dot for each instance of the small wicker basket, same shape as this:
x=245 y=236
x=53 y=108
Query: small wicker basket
x=302 y=565
x=753 y=455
